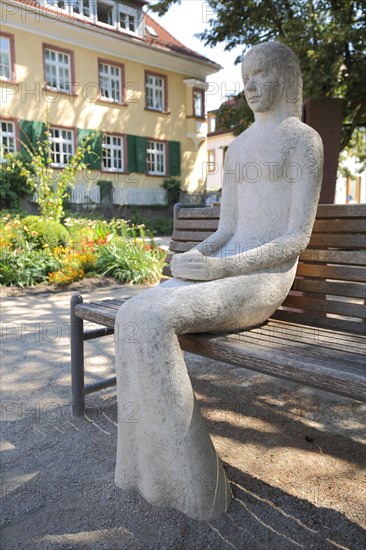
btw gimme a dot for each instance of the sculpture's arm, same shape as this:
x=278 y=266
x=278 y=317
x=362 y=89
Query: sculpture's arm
x=308 y=158
x=226 y=228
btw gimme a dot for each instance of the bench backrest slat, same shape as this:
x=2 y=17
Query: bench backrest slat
x=330 y=285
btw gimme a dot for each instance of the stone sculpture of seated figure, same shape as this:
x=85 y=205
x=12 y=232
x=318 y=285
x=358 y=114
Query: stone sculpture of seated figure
x=235 y=279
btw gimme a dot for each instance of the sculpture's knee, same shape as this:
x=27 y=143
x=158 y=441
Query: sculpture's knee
x=143 y=315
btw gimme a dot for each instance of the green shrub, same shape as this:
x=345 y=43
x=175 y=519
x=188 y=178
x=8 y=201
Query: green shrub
x=45 y=232
x=106 y=190
x=13 y=186
x=172 y=186
x=26 y=266
x=162 y=226
x=131 y=261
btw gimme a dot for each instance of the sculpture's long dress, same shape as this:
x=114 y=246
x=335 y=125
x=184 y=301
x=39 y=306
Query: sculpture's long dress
x=164 y=449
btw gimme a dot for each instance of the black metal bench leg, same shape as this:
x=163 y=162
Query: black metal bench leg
x=77 y=358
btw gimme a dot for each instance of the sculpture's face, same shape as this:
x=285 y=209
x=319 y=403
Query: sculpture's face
x=262 y=85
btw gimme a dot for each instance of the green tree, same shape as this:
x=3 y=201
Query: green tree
x=328 y=37
x=49 y=185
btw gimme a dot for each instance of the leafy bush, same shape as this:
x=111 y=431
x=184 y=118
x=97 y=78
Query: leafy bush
x=172 y=186
x=26 y=266
x=131 y=261
x=45 y=232
x=106 y=190
x=162 y=226
x=13 y=185
x=158 y=226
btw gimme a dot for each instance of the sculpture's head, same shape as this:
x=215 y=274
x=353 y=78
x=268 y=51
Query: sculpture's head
x=272 y=79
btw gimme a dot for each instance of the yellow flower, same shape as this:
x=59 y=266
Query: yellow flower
x=34 y=233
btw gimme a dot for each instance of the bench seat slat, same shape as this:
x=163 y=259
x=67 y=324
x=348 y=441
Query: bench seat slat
x=339 y=211
x=106 y=305
x=194 y=236
x=337 y=240
x=336 y=288
x=96 y=313
x=357 y=225
x=197 y=225
x=326 y=211
x=347 y=257
x=305 y=318
x=181 y=247
x=345 y=273
x=280 y=342
x=327 y=306
x=352 y=343
x=199 y=213
x=305 y=370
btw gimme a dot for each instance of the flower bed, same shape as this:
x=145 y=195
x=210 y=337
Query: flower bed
x=35 y=250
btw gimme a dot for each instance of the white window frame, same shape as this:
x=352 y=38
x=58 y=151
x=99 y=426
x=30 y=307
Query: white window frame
x=131 y=18
x=113 y=153
x=155 y=92
x=5 y=136
x=113 y=82
x=156 y=157
x=54 y=69
x=66 y=142
x=6 y=65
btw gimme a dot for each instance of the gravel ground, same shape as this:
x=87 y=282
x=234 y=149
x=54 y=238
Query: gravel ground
x=294 y=456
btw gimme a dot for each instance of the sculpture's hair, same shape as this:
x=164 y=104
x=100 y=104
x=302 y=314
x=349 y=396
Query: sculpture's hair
x=284 y=61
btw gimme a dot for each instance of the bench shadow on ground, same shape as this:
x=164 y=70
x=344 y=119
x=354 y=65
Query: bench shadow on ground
x=302 y=422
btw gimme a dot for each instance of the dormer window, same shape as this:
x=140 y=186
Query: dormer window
x=80 y=7
x=127 y=18
x=123 y=16
x=105 y=12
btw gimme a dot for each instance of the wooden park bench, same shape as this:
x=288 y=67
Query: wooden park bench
x=317 y=336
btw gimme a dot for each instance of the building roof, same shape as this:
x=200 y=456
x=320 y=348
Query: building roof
x=166 y=40
x=155 y=34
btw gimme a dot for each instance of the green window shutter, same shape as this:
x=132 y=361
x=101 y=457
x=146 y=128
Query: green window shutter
x=38 y=132
x=30 y=132
x=141 y=154
x=39 y=135
x=174 y=158
x=92 y=159
x=136 y=154
x=131 y=154
x=26 y=136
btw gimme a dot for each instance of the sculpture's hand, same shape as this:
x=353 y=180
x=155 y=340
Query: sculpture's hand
x=195 y=266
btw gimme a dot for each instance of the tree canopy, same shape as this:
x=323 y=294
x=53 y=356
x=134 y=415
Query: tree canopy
x=328 y=37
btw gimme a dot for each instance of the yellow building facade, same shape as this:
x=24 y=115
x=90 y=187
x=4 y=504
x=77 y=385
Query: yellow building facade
x=110 y=70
